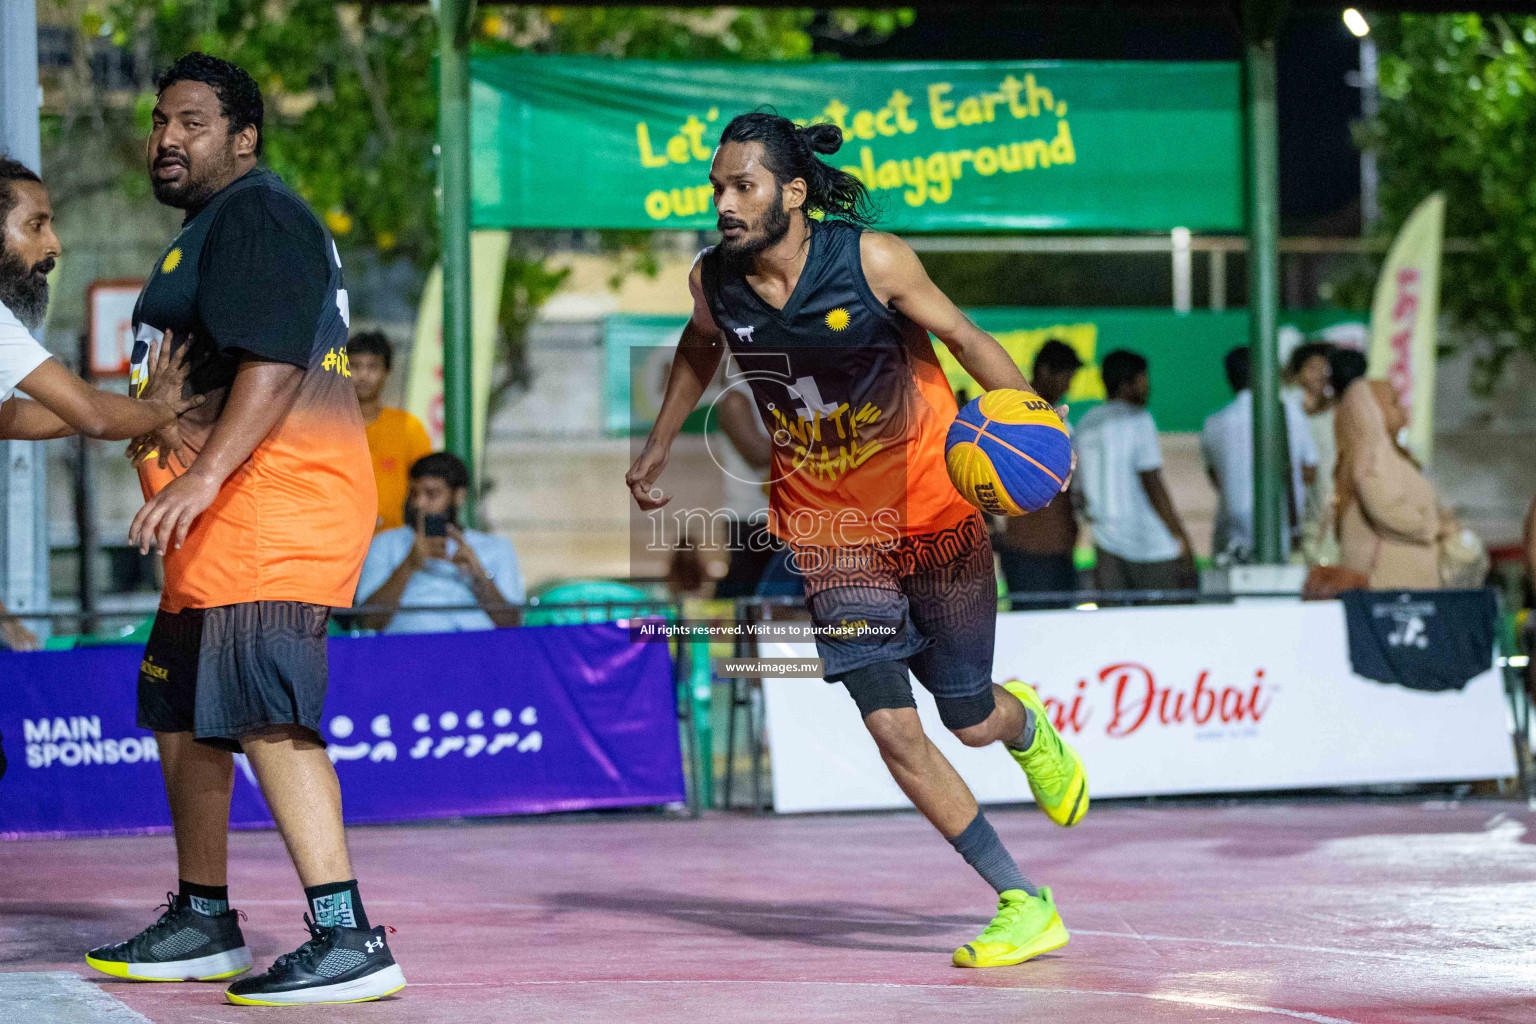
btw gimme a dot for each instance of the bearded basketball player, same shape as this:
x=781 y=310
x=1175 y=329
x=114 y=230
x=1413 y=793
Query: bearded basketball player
x=830 y=323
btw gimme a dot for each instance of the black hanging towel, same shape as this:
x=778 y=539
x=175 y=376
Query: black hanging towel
x=1422 y=639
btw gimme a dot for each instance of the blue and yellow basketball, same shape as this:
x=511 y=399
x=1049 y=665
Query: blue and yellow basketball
x=1008 y=453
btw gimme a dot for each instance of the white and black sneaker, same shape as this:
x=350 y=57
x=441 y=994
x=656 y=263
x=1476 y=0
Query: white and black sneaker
x=182 y=946
x=336 y=965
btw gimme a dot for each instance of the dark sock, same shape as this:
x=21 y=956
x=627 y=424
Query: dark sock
x=205 y=899
x=337 y=903
x=1025 y=738
x=982 y=850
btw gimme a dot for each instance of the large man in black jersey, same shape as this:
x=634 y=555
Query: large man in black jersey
x=830 y=325
x=262 y=506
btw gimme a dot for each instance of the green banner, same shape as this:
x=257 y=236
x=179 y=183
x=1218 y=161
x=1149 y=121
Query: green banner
x=585 y=142
x=1184 y=353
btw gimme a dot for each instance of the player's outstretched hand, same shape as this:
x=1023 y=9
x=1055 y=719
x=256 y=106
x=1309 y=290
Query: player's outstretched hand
x=161 y=444
x=167 y=375
x=1061 y=411
x=139 y=446
x=164 y=520
x=641 y=478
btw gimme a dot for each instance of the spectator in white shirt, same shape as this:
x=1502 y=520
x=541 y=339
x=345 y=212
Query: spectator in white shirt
x=1309 y=369
x=1227 y=445
x=1141 y=543
x=433 y=562
x=60 y=404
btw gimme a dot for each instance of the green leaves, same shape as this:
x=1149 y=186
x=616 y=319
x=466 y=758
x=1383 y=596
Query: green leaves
x=351 y=105
x=351 y=114
x=351 y=102
x=1458 y=114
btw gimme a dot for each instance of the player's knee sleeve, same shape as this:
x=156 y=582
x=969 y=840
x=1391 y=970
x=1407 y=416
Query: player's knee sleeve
x=879 y=686
x=964 y=712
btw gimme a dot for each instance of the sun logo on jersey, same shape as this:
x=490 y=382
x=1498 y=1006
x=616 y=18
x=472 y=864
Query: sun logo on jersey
x=838 y=319
x=171 y=262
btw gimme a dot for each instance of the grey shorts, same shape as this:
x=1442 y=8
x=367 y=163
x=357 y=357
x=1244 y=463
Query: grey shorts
x=936 y=591
x=221 y=673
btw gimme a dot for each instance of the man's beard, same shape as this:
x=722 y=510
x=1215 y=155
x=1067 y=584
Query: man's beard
x=739 y=255
x=24 y=289
x=195 y=190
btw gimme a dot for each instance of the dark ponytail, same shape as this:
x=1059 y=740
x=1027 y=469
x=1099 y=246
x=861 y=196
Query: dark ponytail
x=790 y=152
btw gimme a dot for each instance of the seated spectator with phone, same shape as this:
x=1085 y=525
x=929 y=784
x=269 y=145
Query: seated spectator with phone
x=432 y=562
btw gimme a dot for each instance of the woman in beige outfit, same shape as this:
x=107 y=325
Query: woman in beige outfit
x=1389 y=520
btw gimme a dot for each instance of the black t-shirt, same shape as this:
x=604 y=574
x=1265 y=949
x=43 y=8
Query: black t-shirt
x=263 y=277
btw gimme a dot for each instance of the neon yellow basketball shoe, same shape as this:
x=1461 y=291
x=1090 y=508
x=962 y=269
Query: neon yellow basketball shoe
x=1025 y=926
x=1055 y=772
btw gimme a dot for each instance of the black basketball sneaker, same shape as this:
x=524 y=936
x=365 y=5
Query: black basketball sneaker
x=182 y=946
x=336 y=965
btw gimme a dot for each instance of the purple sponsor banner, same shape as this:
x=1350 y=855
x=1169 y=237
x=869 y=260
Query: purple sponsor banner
x=514 y=721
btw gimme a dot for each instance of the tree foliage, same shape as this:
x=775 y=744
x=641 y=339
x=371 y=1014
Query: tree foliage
x=351 y=104
x=1458 y=115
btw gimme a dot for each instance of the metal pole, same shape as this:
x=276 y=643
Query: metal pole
x=23 y=464
x=1183 y=272
x=1370 y=107
x=86 y=534
x=453 y=17
x=1269 y=517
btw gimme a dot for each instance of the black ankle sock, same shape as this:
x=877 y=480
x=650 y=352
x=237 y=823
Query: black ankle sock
x=337 y=903
x=205 y=899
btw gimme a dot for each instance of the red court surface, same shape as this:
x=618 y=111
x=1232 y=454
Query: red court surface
x=1401 y=912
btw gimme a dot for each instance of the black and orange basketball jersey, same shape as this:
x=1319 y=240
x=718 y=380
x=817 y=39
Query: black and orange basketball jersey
x=254 y=271
x=851 y=393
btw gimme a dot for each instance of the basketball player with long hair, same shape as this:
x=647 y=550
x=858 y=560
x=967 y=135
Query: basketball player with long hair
x=829 y=323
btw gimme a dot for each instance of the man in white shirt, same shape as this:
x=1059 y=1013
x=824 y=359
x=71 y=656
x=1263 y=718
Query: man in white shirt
x=433 y=562
x=1227 y=445
x=61 y=404
x=1140 y=541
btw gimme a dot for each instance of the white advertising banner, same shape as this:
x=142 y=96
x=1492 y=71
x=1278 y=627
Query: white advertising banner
x=1164 y=701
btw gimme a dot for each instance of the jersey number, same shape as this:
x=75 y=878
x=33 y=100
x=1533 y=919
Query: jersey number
x=806 y=390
